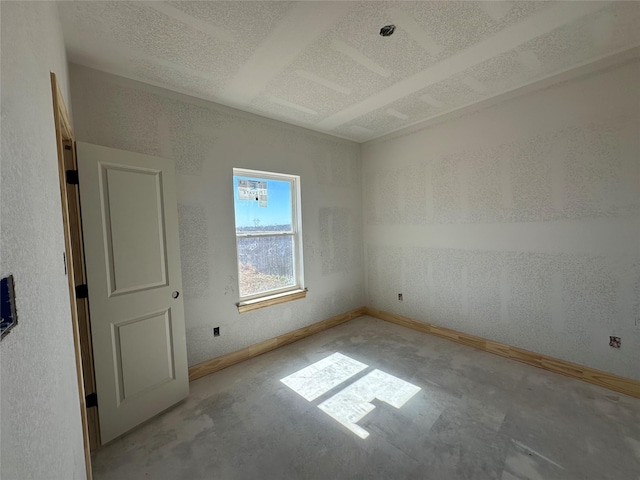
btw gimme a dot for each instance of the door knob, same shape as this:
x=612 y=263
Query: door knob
x=175 y=294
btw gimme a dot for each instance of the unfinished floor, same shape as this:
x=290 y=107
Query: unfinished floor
x=476 y=416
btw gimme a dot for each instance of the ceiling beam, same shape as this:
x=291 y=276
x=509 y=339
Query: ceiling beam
x=415 y=31
x=359 y=58
x=214 y=31
x=304 y=23
x=508 y=39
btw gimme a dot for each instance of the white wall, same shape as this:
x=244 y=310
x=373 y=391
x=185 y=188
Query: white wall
x=207 y=141
x=40 y=429
x=519 y=223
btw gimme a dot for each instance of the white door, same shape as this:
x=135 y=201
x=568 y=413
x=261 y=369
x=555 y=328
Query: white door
x=130 y=224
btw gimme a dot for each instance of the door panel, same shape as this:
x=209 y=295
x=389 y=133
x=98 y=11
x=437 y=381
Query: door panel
x=130 y=225
x=133 y=196
x=143 y=369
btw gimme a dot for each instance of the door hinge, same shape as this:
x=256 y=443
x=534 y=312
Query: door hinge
x=72 y=177
x=82 y=291
x=91 y=400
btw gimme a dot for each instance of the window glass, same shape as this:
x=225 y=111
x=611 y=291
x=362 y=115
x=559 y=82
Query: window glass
x=262 y=205
x=267 y=233
x=265 y=264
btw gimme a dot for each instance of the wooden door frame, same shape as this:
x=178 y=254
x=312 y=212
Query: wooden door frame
x=74 y=257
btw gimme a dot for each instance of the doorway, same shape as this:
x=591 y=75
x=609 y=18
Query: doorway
x=74 y=262
x=125 y=283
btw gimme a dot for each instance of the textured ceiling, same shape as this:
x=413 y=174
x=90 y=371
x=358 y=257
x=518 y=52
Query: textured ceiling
x=323 y=65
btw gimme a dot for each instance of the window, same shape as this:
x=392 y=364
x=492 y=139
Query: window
x=268 y=237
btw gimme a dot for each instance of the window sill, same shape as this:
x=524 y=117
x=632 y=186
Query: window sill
x=270 y=300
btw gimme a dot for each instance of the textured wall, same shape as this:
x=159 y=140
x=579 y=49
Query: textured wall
x=40 y=429
x=519 y=223
x=207 y=141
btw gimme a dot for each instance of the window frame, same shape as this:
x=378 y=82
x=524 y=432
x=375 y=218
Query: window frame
x=250 y=302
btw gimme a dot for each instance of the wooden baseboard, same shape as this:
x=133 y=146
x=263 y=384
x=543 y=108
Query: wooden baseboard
x=218 y=363
x=613 y=382
x=624 y=385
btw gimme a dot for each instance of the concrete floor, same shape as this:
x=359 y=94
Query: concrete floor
x=477 y=416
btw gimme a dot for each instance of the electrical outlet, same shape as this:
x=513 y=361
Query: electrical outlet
x=216 y=331
x=614 y=342
x=400 y=297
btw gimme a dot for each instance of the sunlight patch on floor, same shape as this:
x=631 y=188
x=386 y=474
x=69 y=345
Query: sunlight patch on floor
x=320 y=377
x=353 y=403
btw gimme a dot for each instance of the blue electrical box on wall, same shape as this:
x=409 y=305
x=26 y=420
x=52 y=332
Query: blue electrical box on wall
x=7 y=306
